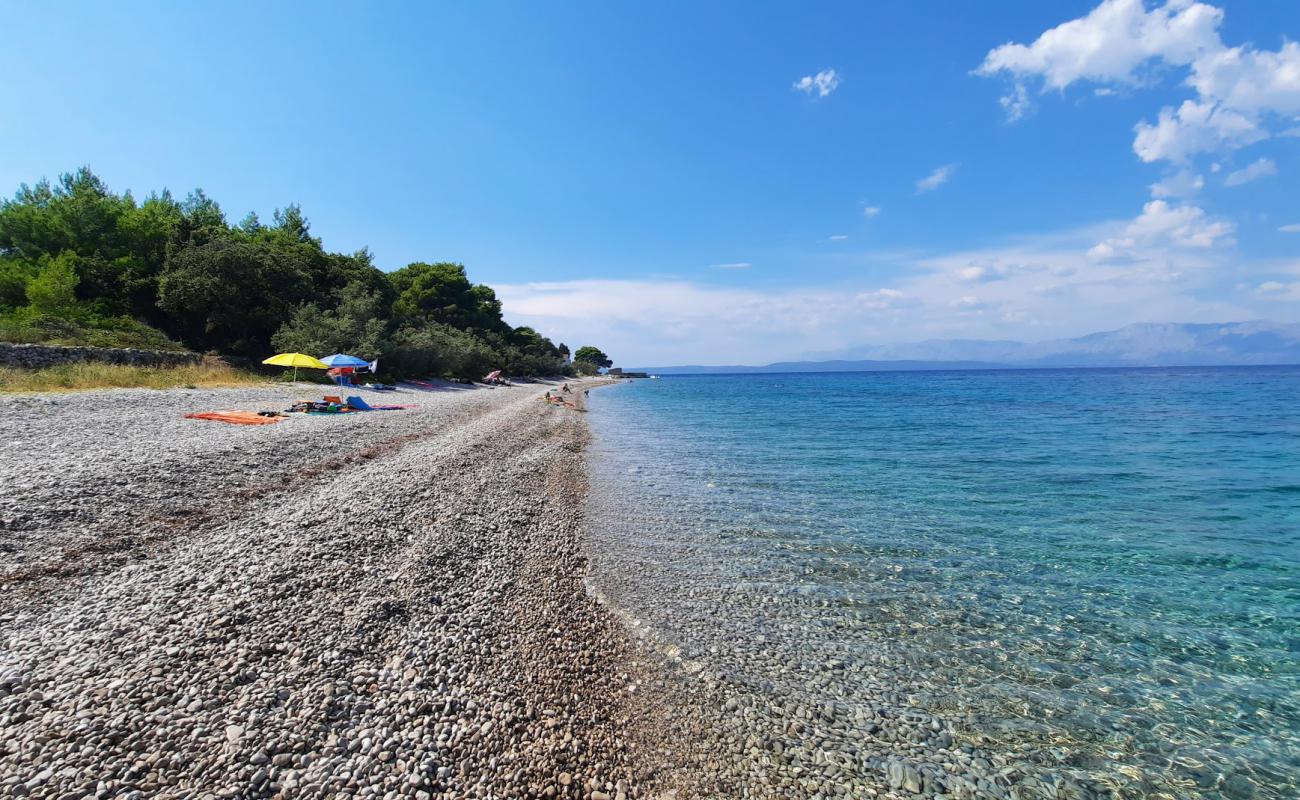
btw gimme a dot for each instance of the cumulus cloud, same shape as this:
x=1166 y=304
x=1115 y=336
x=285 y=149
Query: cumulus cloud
x=1183 y=183
x=1243 y=94
x=934 y=180
x=1250 y=80
x=821 y=84
x=871 y=211
x=1161 y=225
x=1262 y=168
x=1112 y=44
x=1193 y=128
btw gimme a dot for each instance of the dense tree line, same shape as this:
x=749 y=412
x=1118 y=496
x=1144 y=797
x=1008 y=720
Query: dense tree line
x=80 y=263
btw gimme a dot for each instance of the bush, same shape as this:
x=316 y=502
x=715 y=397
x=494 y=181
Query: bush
x=438 y=350
x=28 y=327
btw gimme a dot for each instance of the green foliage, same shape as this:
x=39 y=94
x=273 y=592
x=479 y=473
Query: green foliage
x=443 y=293
x=26 y=327
x=52 y=290
x=230 y=296
x=82 y=265
x=587 y=360
x=356 y=327
x=14 y=274
x=436 y=349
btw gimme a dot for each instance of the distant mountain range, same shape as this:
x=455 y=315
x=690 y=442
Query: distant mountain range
x=1139 y=345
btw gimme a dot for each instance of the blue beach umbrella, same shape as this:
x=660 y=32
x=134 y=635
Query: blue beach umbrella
x=343 y=360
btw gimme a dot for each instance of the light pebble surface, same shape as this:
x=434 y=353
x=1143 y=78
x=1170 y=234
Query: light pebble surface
x=376 y=605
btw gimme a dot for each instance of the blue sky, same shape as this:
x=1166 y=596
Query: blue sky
x=661 y=179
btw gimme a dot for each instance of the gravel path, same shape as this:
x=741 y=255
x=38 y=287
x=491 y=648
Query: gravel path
x=378 y=605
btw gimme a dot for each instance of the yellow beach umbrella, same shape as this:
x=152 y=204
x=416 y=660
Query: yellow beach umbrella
x=296 y=360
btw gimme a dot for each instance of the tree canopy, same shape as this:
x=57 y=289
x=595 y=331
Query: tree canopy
x=588 y=360
x=80 y=264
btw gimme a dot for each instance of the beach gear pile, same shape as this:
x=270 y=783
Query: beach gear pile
x=344 y=369
x=336 y=405
x=328 y=405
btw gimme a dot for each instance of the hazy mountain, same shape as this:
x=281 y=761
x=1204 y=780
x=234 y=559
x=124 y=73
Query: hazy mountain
x=1139 y=345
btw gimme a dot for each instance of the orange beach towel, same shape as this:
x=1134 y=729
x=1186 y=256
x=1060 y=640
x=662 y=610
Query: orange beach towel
x=235 y=417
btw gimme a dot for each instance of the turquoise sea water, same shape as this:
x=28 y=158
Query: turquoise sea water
x=1098 y=570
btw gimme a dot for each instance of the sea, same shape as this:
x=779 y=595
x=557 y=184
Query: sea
x=1094 y=572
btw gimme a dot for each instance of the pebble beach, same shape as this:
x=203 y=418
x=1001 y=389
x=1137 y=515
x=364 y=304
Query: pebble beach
x=373 y=605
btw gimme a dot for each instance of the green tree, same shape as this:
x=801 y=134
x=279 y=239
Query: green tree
x=53 y=290
x=230 y=296
x=14 y=274
x=592 y=355
x=435 y=349
x=356 y=327
x=443 y=293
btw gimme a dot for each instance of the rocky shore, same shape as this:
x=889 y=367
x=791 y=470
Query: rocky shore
x=382 y=605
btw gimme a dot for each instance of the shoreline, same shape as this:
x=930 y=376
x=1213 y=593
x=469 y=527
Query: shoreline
x=394 y=605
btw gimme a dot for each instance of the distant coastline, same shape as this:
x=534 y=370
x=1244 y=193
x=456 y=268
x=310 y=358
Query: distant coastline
x=1229 y=344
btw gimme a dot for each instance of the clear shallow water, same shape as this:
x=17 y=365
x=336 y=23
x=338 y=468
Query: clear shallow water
x=1097 y=571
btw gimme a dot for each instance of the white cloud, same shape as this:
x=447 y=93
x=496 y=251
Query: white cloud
x=734 y=265
x=1262 y=168
x=1193 y=128
x=871 y=211
x=1169 y=265
x=1277 y=291
x=1161 y=225
x=1183 y=183
x=839 y=237
x=675 y=321
x=1016 y=103
x=1111 y=43
x=1240 y=91
x=822 y=84
x=935 y=179
x=1250 y=80
x=1292 y=228
x=881 y=299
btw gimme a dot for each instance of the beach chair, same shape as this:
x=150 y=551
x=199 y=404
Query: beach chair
x=333 y=398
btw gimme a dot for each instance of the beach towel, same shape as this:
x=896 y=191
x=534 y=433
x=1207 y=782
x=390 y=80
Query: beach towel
x=359 y=404
x=235 y=417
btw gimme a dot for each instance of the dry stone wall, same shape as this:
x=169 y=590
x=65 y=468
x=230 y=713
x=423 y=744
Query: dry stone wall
x=36 y=356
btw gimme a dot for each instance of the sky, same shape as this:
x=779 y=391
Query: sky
x=720 y=182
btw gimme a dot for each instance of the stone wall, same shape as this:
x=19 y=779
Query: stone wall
x=35 y=356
